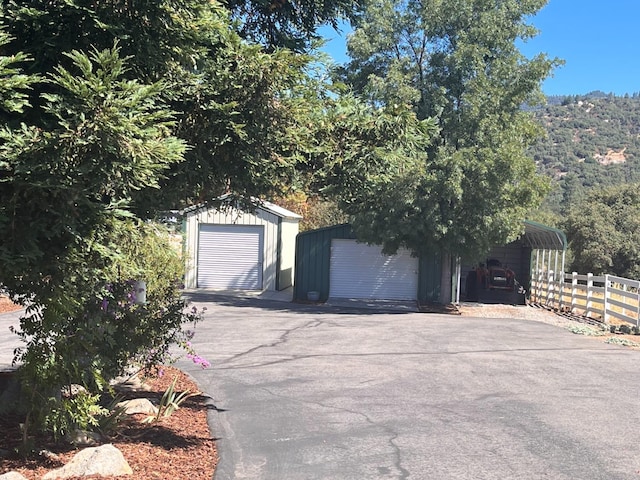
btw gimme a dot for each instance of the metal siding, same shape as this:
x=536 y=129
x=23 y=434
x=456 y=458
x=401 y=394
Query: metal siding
x=429 y=282
x=511 y=255
x=232 y=216
x=288 y=232
x=270 y=252
x=190 y=280
x=313 y=250
x=359 y=270
x=230 y=257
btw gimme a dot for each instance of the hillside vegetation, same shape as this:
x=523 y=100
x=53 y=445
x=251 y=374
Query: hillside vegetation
x=593 y=141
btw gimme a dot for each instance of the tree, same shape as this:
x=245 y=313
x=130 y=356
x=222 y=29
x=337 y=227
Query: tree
x=288 y=24
x=127 y=109
x=137 y=107
x=71 y=248
x=604 y=232
x=453 y=61
x=14 y=84
x=231 y=98
x=111 y=138
x=221 y=114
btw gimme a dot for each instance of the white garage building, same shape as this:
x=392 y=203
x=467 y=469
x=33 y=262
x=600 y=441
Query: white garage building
x=232 y=249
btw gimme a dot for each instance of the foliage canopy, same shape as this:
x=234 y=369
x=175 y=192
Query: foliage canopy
x=454 y=62
x=604 y=232
x=114 y=112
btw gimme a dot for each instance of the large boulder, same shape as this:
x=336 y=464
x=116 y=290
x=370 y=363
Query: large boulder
x=105 y=460
x=138 y=405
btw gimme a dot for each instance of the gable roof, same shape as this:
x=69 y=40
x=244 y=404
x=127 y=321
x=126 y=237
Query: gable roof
x=228 y=201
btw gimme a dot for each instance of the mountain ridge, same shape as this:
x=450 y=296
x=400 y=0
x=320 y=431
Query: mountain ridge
x=592 y=141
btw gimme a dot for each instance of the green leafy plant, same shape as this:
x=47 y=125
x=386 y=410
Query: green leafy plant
x=107 y=424
x=625 y=329
x=79 y=412
x=170 y=402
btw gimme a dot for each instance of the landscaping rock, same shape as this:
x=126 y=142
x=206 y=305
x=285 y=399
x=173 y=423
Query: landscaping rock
x=104 y=461
x=72 y=391
x=12 y=476
x=83 y=438
x=49 y=455
x=129 y=383
x=138 y=405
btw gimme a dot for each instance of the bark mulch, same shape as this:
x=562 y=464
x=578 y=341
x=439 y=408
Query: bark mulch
x=179 y=447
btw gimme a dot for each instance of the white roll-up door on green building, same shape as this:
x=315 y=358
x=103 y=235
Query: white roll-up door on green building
x=230 y=256
x=358 y=270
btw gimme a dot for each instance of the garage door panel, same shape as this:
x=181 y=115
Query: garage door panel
x=230 y=257
x=361 y=271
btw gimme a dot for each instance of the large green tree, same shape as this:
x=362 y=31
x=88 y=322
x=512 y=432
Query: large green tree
x=71 y=248
x=216 y=115
x=112 y=113
x=604 y=232
x=128 y=108
x=230 y=97
x=455 y=62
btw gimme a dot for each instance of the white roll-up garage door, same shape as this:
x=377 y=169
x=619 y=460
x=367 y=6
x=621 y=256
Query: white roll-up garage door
x=230 y=256
x=358 y=270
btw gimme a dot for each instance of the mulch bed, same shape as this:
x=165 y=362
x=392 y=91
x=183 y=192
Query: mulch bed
x=178 y=447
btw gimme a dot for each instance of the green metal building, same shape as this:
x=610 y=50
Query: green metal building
x=331 y=263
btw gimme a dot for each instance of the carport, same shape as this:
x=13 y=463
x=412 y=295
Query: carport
x=548 y=243
x=540 y=248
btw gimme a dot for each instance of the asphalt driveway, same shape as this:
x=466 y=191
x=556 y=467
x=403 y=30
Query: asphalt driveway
x=301 y=393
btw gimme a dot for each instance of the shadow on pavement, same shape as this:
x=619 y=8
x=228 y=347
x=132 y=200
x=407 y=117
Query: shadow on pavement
x=346 y=307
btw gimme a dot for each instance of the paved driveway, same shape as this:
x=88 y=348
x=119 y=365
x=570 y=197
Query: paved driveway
x=305 y=393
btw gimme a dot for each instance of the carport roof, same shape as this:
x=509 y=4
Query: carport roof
x=542 y=237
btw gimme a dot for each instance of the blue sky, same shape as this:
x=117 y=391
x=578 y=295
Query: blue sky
x=598 y=40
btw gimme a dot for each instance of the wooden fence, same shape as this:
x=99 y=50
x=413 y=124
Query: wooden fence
x=601 y=298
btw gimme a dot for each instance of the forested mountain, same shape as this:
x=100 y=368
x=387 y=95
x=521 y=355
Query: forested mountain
x=592 y=141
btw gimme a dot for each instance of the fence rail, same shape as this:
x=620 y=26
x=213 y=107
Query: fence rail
x=598 y=297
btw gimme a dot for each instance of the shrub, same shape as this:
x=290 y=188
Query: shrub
x=91 y=328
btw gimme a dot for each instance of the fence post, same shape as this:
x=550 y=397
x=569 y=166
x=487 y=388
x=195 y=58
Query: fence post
x=550 y=285
x=589 y=294
x=607 y=292
x=638 y=308
x=561 y=292
x=538 y=279
x=574 y=291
